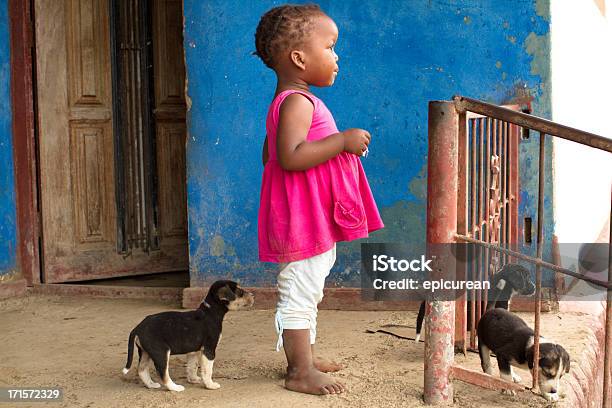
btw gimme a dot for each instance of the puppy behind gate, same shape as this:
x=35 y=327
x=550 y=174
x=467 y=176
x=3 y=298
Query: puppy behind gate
x=195 y=333
x=511 y=280
x=509 y=337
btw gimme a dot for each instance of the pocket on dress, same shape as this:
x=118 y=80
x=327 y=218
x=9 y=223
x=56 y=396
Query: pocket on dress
x=349 y=212
x=349 y=215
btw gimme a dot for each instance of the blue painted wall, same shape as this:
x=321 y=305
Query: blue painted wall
x=8 y=238
x=395 y=56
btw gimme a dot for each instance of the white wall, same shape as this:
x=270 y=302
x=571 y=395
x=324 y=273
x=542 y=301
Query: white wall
x=581 y=37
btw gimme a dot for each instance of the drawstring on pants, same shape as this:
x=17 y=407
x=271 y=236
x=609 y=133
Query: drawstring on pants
x=278 y=321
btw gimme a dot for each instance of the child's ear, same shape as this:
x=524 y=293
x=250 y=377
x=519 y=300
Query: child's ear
x=297 y=57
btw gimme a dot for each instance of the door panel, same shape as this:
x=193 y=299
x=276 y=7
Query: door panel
x=170 y=115
x=172 y=195
x=76 y=153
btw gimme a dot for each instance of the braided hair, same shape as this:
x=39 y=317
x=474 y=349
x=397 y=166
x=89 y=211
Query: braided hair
x=282 y=28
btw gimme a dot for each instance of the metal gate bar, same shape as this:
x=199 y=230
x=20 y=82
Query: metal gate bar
x=475 y=199
x=442 y=211
x=538 y=294
x=532 y=260
x=463 y=104
x=489 y=201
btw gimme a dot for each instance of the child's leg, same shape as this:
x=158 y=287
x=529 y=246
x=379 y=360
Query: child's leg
x=300 y=286
x=323 y=364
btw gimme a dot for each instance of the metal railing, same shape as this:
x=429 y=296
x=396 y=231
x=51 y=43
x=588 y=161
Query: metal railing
x=472 y=198
x=488 y=185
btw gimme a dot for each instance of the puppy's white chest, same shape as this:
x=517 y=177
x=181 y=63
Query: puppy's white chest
x=516 y=364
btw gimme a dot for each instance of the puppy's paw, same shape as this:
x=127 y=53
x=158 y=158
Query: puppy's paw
x=551 y=397
x=153 y=385
x=509 y=392
x=176 y=387
x=212 y=385
x=516 y=378
x=417 y=338
x=194 y=379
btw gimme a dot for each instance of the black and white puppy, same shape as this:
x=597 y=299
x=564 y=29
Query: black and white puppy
x=195 y=333
x=511 y=280
x=509 y=337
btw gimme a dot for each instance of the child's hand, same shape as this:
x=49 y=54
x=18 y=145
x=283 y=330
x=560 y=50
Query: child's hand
x=356 y=141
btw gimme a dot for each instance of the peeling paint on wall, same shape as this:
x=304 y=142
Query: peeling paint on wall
x=538 y=47
x=542 y=8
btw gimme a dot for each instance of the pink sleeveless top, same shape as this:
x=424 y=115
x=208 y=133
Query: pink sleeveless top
x=303 y=213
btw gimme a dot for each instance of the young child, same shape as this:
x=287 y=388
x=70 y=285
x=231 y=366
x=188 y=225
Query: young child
x=314 y=191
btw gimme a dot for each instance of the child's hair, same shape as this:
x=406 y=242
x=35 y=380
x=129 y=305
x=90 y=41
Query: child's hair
x=281 y=28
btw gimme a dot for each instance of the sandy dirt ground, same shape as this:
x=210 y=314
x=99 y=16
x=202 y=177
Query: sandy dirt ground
x=80 y=345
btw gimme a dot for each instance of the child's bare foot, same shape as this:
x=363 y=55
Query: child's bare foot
x=302 y=376
x=312 y=381
x=326 y=366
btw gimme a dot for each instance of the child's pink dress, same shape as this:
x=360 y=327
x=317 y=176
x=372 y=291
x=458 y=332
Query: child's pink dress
x=304 y=213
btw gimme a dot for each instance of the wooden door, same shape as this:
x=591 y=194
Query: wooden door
x=170 y=118
x=77 y=152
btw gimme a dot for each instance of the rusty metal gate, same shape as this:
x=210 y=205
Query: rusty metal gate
x=472 y=197
x=488 y=186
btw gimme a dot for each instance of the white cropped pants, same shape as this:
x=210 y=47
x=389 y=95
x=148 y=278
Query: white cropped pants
x=300 y=289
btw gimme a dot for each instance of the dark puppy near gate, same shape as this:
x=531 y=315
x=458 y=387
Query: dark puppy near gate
x=195 y=333
x=509 y=337
x=511 y=280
